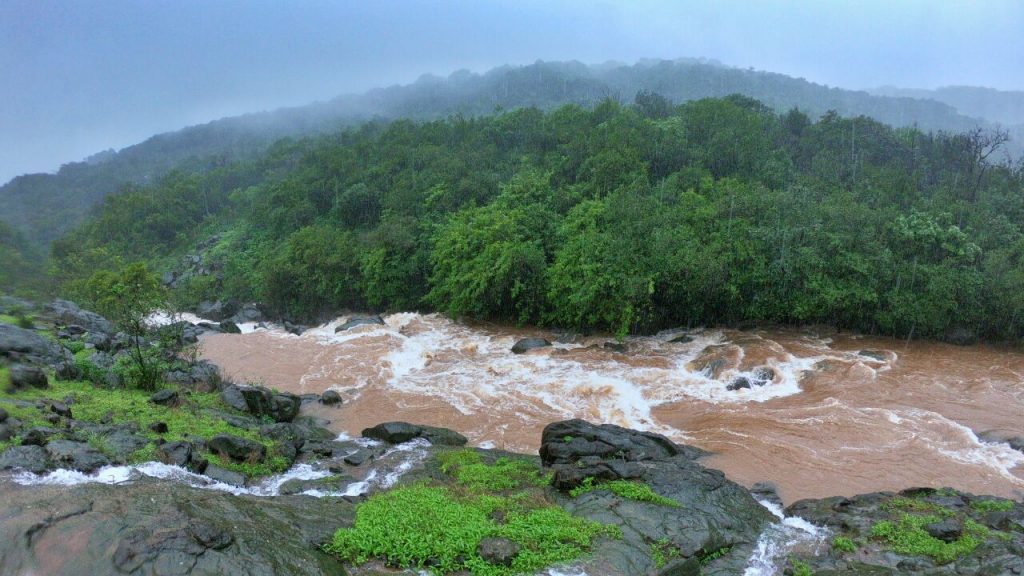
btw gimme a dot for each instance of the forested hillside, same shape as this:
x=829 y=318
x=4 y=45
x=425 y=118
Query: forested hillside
x=44 y=206
x=621 y=218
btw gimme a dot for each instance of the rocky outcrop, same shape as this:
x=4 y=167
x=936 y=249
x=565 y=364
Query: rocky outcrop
x=527 y=344
x=398 y=432
x=153 y=527
x=23 y=376
x=65 y=313
x=259 y=401
x=26 y=345
x=954 y=533
x=714 y=527
x=359 y=321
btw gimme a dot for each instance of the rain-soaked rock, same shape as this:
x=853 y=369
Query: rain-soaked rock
x=166 y=397
x=498 y=551
x=330 y=397
x=75 y=455
x=237 y=448
x=359 y=321
x=398 y=432
x=158 y=527
x=23 y=377
x=225 y=476
x=280 y=406
x=30 y=458
x=527 y=344
x=68 y=313
x=229 y=327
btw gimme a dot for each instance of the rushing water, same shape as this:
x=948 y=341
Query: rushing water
x=838 y=414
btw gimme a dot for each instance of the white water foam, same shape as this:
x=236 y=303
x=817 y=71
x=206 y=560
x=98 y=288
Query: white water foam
x=394 y=463
x=781 y=538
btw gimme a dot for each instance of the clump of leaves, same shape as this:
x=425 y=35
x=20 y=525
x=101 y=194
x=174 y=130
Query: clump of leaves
x=662 y=551
x=629 y=490
x=986 y=506
x=433 y=528
x=843 y=544
x=907 y=535
x=801 y=568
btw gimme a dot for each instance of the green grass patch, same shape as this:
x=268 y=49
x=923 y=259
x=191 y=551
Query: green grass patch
x=843 y=544
x=433 y=528
x=629 y=490
x=906 y=535
x=801 y=568
x=986 y=506
x=662 y=551
x=119 y=406
x=904 y=504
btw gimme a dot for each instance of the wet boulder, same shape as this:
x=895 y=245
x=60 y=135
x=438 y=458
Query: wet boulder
x=359 y=321
x=739 y=383
x=166 y=397
x=75 y=455
x=216 y=311
x=682 y=339
x=23 y=376
x=527 y=344
x=232 y=396
x=238 y=449
x=225 y=476
x=20 y=343
x=37 y=436
x=31 y=458
x=68 y=313
x=182 y=454
x=259 y=401
x=498 y=551
x=399 y=432
x=330 y=398
x=248 y=313
x=229 y=327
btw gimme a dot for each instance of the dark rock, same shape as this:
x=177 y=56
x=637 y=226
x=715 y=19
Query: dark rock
x=498 y=551
x=76 y=455
x=614 y=346
x=156 y=527
x=739 y=383
x=67 y=371
x=121 y=443
x=249 y=313
x=1014 y=441
x=225 y=476
x=68 y=313
x=232 y=396
x=60 y=409
x=99 y=341
x=398 y=432
x=236 y=420
x=683 y=339
x=763 y=375
x=874 y=355
x=159 y=427
x=330 y=397
x=358 y=321
x=6 y=432
x=360 y=457
x=175 y=453
x=570 y=440
x=210 y=535
x=20 y=343
x=38 y=436
x=229 y=327
x=285 y=432
x=296 y=329
x=3 y=415
x=682 y=567
x=22 y=376
x=281 y=406
x=166 y=397
x=948 y=530
x=238 y=449
x=216 y=311
x=25 y=457
x=527 y=344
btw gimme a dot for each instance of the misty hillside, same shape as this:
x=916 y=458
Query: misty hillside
x=44 y=206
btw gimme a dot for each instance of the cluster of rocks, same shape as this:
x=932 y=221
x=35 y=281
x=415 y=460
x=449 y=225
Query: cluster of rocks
x=197 y=265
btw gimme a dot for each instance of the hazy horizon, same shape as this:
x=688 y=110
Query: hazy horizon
x=88 y=76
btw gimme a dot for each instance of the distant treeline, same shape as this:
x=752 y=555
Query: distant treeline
x=617 y=218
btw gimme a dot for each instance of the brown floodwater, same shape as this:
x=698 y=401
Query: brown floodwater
x=837 y=414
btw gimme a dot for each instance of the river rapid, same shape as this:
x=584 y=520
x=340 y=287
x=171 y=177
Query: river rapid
x=825 y=414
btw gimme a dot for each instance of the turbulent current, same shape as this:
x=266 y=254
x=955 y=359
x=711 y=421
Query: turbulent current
x=824 y=414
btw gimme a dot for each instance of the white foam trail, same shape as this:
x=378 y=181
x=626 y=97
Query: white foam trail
x=779 y=539
x=410 y=454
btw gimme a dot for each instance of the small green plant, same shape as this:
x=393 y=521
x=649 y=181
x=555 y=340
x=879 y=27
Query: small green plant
x=626 y=489
x=843 y=544
x=427 y=527
x=710 y=557
x=662 y=551
x=902 y=503
x=801 y=568
x=908 y=536
x=985 y=506
x=567 y=438
x=452 y=459
x=26 y=322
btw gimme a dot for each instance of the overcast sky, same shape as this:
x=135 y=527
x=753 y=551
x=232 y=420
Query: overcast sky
x=81 y=76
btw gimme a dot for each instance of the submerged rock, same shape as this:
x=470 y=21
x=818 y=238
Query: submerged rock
x=398 y=432
x=359 y=321
x=527 y=344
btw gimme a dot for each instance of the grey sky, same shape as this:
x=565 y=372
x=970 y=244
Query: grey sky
x=77 y=77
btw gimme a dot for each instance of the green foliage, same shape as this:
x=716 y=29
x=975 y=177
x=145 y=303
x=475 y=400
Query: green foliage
x=907 y=535
x=801 y=568
x=985 y=506
x=662 y=551
x=626 y=489
x=424 y=527
x=614 y=218
x=843 y=544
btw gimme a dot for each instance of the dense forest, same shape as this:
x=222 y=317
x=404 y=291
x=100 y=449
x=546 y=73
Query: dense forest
x=44 y=206
x=621 y=218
